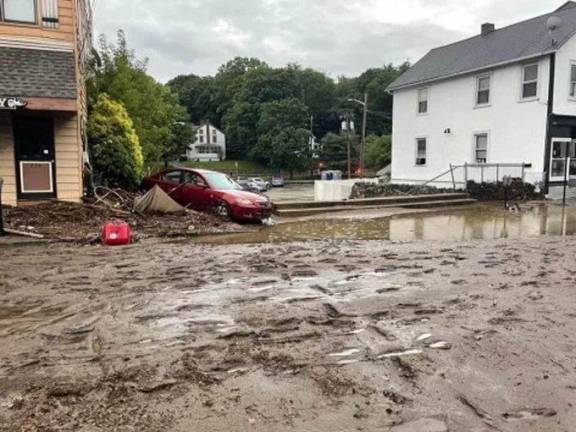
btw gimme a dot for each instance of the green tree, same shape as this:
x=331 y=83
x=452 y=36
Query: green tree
x=198 y=95
x=259 y=86
x=335 y=150
x=229 y=81
x=284 y=140
x=115 y=147
x=378 y=151
x=153 y=108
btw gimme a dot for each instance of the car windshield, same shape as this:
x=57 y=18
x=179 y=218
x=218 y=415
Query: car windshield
x=221 y=181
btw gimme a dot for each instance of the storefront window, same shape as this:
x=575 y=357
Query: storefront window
x=23 y=11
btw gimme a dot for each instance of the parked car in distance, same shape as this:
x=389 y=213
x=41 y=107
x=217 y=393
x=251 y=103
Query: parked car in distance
x=278 y=181
x=211 y=192
x=258 y=183
x=248 y=186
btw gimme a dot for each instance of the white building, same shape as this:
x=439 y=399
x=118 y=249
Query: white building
x=210 y=145
x=506 y=96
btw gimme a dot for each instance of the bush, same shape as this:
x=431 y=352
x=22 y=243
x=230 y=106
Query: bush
x=517 y=191
x=114 y=145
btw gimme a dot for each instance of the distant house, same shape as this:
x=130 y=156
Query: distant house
x=506 y=96
x=209 y=146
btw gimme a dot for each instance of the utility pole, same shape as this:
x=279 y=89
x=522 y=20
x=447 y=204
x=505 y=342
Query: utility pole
x=364 y=126
x=348 y=127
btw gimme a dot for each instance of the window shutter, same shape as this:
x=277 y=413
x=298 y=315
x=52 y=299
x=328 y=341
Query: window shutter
x=50 y=13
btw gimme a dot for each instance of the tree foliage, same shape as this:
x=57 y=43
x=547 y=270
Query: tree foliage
x=154 y=109
x=235 y=98
x=115 y=146
x=284 y=140
x=378 y=151
x=335 y=150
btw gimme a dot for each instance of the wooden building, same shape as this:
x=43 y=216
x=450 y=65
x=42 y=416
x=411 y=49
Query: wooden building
x=44 y=45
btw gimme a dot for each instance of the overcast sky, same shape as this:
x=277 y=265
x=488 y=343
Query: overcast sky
x=339 y=37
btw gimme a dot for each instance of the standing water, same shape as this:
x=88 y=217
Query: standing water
x=474 y=223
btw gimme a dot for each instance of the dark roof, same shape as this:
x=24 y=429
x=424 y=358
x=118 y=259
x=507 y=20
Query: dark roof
x=37 y=73
x=524 y=40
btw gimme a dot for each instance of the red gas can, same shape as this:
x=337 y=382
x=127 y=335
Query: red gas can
x=116 y=234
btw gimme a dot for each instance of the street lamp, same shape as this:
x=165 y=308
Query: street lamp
x=364 y=121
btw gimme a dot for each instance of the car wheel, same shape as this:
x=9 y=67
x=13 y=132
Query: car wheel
x=222 y=210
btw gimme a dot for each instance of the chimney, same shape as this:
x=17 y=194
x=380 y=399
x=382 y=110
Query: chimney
x=488 y=28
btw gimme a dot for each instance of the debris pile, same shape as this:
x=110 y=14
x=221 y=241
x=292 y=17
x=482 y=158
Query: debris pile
x=371 y=190
x=63 y=221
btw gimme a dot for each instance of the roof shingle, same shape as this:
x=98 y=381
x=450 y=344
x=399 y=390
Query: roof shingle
x=37 y=73
x=524 y=40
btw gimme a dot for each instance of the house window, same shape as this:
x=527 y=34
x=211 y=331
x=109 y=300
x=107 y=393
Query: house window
x=573 y=80
x=421 y=151
x=214 y=138
x=481 y=148
x=201 y=139
x=423 y=101
x=483 y=90
x=22 y=11
x=530 y=81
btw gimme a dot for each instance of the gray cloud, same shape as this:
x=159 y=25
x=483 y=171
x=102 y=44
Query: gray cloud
x=335 y=36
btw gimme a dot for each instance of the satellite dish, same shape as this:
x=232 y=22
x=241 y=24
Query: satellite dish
x=554 y=23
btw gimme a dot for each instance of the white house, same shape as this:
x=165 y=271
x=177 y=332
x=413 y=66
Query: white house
x=506 y=96
x=210 y=145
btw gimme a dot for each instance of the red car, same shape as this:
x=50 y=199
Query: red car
x=211 y=192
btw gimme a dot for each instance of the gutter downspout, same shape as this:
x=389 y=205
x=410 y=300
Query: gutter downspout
x=549 y=116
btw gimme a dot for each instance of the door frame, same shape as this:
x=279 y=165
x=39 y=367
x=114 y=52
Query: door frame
x=20 y=193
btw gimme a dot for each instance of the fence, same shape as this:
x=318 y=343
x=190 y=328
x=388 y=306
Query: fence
x=460 y=175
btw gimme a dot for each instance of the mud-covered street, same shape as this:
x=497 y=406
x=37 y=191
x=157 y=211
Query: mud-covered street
x=317 y=336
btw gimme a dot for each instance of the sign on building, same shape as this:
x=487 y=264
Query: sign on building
x=12 y=103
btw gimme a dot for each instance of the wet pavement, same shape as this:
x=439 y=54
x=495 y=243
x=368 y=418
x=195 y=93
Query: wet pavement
x=292 y=192
x=331 y=335
x=482 y=222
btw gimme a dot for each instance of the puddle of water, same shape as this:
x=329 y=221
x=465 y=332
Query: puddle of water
x=346 y=353
x=400 y=354
x=489 y=221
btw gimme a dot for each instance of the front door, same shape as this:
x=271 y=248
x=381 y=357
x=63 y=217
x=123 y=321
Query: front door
x=35 y=157
x=563 y=160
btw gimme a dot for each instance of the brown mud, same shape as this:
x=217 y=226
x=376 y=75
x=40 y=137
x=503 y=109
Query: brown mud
x=318 y=336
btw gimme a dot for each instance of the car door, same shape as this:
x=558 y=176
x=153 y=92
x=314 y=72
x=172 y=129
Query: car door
x=195 y=192
x=170 y=182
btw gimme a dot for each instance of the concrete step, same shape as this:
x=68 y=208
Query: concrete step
x=417 y=205
x=397 y=200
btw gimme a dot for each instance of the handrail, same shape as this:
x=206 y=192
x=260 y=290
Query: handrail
x=482 y=166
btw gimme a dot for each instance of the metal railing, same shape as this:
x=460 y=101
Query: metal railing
x=482 y=173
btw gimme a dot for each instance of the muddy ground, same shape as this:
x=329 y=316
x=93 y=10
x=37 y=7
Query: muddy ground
x=318 y=336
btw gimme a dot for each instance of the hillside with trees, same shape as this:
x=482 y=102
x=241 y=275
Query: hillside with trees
x=238 y=100
x=268 y=114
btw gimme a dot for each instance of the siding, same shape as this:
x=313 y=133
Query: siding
x=68 y=159
x=7 y=163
